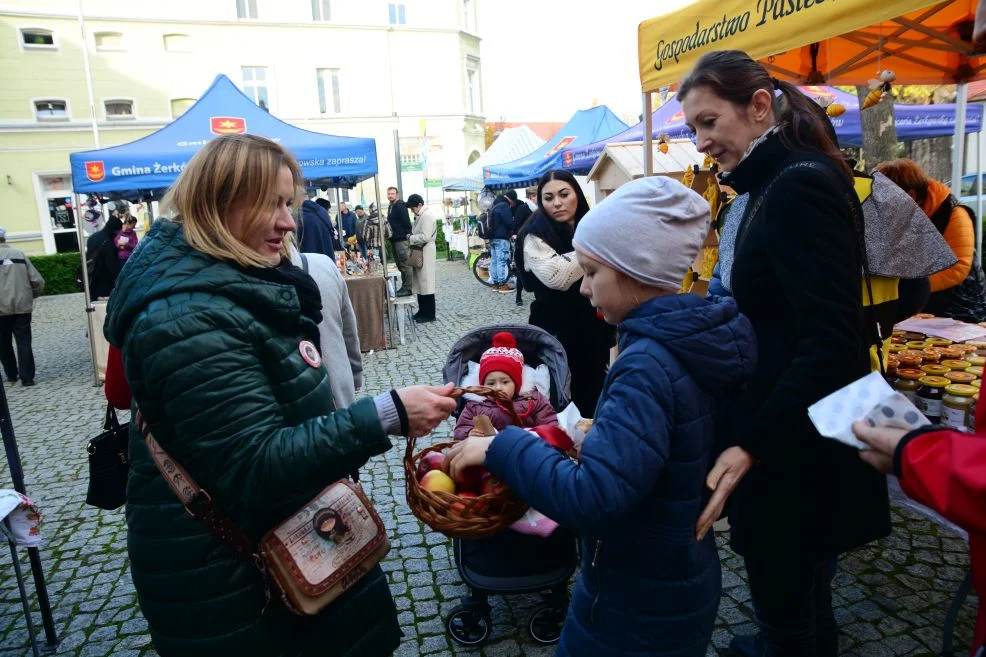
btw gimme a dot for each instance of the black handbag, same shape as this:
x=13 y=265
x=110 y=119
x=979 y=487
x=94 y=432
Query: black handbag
x=109 y=464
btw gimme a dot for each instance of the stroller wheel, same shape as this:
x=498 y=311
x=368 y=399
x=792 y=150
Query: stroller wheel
x=546 y=622
x=468 y=626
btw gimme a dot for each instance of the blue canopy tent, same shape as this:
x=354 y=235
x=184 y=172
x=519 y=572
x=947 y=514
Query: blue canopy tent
x=148 y=166
x=913 y=122
x=144 y=169
x=585 y=127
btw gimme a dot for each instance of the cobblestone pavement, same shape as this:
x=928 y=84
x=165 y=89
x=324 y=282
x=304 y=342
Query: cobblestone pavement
x=890 y=598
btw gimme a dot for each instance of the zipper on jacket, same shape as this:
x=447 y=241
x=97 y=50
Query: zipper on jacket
x=595 y=572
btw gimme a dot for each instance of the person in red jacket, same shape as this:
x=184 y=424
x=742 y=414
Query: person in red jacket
x=944 y=470
x=115 y=385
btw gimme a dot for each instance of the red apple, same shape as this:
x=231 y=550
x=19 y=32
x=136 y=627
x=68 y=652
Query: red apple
x=492 y=486
x=436 y=480
x=471 y=478
x=430 y=461
x=460 y=507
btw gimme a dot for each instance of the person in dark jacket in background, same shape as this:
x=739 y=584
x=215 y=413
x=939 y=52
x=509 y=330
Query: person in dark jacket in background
x=400 y=231
x=501 y=227
x=522 y=212
x=648 y=585
x=346 y=220
x=326 y=205
x=315 y=232
x=547 y=262
x=805 y=499
x=104 y=265
x=219 y=333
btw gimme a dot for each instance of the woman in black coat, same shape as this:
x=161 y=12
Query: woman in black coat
x=101 y=259
x=547 y=264
x=796 y=276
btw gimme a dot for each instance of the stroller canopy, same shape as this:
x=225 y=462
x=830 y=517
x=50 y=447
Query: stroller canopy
x=538 y=346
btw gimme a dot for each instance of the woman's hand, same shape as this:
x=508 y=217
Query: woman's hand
x=726 y=474
x=882 y=445
x=427 y=407
x=467 y=453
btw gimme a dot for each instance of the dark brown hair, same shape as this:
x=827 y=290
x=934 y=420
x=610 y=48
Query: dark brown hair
x=733 y=76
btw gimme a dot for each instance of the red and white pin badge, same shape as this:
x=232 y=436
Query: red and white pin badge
x=310 y=353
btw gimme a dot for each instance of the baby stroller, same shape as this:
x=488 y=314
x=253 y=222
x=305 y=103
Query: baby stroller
x=510 y=562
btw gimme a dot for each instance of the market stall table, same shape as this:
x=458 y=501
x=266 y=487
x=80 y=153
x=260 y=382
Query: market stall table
x=369 y=297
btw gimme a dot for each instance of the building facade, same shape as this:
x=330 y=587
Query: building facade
x=409 y=71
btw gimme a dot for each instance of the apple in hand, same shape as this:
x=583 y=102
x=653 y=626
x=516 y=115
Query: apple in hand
x=492 y=486
x=436 y=480
x=430 y=461
x=471 y=478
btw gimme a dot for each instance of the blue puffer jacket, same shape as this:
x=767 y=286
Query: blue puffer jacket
x=647 y=587
x=501 y=219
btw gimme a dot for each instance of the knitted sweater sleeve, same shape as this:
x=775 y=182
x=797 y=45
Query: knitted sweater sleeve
x=556 y=270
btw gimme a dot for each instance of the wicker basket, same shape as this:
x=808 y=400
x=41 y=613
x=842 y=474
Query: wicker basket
x=449 y=514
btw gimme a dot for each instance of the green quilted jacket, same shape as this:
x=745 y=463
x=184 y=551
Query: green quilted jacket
x=212 y=357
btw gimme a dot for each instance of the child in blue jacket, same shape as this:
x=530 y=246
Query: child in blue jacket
x=648 y=586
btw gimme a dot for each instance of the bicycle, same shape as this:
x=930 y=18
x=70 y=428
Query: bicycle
x=481 y=268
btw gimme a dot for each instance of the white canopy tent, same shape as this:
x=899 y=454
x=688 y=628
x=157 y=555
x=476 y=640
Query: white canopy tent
x=512 y=144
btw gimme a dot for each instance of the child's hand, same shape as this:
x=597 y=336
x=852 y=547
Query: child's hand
x=465 y=454
x=476 y=431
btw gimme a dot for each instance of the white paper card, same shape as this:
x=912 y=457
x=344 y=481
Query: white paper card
x=869 y=398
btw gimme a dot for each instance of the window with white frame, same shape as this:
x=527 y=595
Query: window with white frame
x=396 y=13
x=246 y=9
x=119 y=109
x=180 y=105
x=37 y=39
x=255 y=85
x=467 y=16
x=473 y=93
x=177 y=43
x=51 y=109
x=108 y=40
x=321 y=10
x=329 y=98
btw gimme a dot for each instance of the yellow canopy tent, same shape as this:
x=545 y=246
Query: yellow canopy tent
x=819 y=42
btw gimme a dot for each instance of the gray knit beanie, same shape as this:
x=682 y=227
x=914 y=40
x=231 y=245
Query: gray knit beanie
x=650 y=229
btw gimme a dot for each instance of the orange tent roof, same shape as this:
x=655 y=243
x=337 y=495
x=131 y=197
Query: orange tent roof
x=930 y=46
x=817 y=41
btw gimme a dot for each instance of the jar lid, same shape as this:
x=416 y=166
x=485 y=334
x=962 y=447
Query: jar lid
x=975 y=384
x=911 y=335
x=976 y=360
x=960 y=377
x=910 y=352
x=960 y=390
x=956 y=364
x=978 y=344
x=935 y=370
x=934 y=381
x=977 y=370
x=917 y=344
x=941 y=342
x=897 y=348
x=911 y=375
x=949 y=352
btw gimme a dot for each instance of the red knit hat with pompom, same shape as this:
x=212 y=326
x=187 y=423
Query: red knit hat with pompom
x=503 y=356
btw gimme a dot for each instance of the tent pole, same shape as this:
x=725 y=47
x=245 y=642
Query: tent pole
x=980 y=145
x=648 y=144
x=90 y=309
x=958 y=143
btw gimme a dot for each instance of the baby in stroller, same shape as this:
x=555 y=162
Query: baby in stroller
x=534 y=362
x=502 y=368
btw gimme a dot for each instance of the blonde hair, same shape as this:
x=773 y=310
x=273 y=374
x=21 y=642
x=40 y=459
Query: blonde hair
x=228 y=170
